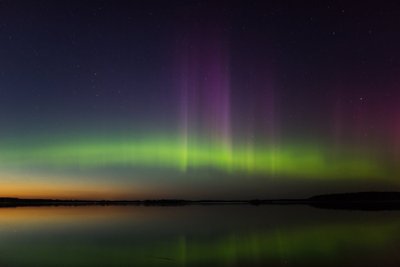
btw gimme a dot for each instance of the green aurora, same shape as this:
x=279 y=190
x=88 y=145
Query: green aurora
x=306 y=161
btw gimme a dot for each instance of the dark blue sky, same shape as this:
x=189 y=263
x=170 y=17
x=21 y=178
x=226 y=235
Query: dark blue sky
x=276 y=79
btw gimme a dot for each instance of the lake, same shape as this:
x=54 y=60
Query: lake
x=225 y=235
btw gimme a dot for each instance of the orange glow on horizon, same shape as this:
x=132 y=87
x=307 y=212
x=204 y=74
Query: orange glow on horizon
x=35 y=186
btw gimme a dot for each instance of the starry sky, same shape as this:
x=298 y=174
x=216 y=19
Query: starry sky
x=198 y=99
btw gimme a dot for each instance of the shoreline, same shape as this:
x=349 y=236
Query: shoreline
x=316 y=202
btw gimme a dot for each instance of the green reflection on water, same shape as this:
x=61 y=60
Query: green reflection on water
x=328 y=243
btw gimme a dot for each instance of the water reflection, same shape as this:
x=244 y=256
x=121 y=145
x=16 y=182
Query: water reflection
x=197 y=236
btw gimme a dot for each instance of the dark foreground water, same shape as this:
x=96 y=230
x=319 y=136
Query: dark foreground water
x=198 y=236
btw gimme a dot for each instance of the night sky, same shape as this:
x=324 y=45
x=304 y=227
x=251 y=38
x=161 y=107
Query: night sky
x=198 y=99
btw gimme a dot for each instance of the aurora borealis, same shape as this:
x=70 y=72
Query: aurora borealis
x=195 y=99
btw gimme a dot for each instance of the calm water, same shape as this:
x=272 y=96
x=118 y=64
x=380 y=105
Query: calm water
x=197 y=236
